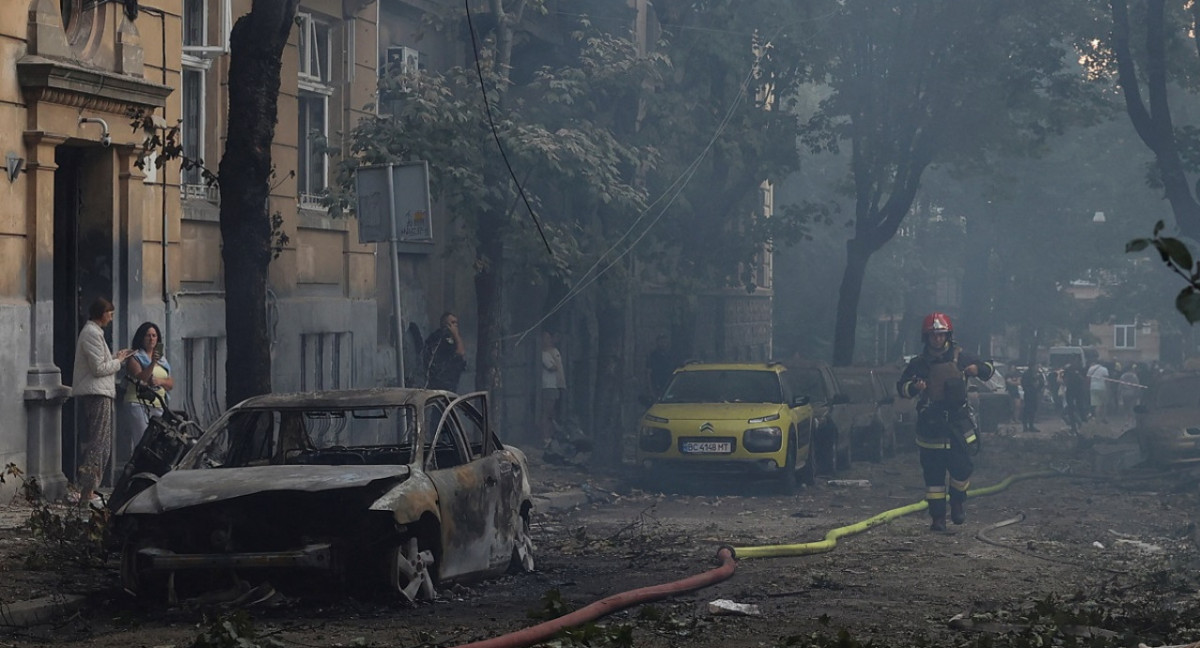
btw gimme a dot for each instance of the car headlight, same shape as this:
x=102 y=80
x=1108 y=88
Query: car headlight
x=654 y=439
x=655 y=419
x=763 y=439
x=764 y=419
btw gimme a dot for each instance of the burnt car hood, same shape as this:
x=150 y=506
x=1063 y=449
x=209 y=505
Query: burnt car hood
x=183 y=488
x=1174 y=418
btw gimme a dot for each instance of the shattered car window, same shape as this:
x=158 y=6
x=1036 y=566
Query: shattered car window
x=286 y=436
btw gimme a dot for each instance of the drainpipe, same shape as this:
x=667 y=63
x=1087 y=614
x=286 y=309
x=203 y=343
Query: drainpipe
x=163 y=236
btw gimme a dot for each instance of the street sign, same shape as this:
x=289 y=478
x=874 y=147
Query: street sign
x=409 y=203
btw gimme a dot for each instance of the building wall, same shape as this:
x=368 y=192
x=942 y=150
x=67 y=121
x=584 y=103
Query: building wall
x=82 y=220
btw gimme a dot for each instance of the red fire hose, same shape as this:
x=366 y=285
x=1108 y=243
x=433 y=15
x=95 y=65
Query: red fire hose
x=604 y=607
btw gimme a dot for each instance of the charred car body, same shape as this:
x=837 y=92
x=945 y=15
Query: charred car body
x=1168 y=420
x=393 y=489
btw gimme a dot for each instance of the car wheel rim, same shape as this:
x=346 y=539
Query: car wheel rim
x=410 y=572
x=523 y=549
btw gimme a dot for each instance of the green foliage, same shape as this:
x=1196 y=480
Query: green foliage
x=1175 y=255
x=162 y=143
x=71 y=538
x=235 y=630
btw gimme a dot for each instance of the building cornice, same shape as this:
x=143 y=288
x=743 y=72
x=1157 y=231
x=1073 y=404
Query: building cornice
x=53 y=81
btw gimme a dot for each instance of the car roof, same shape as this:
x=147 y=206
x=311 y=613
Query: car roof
x=343 y=398
x=855 y=370
x=733 y=366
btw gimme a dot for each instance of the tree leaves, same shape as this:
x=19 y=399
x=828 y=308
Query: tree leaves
x=1175 y=254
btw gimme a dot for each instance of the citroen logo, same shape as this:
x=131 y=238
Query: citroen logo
x=707 y=428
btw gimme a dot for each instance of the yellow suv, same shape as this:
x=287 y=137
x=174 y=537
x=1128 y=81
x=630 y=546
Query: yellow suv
x=729 y=417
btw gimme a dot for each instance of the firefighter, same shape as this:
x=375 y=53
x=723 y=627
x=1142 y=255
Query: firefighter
x=945 y=425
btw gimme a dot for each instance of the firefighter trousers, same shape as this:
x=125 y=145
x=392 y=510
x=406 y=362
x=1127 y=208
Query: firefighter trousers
x=936 y=465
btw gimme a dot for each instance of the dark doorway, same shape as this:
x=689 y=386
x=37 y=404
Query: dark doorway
x=83 y=266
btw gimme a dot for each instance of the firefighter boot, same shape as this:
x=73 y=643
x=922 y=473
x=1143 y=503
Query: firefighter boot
x=937 y=514
x=958 y=513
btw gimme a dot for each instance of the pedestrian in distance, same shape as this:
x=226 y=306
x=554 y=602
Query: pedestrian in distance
x=1075 y=396
x=945 y=427
x=1128 y=389
x=1098 y=383
x=554 y=384
x=93 y=385
x=1033 y=384
x=444 y=355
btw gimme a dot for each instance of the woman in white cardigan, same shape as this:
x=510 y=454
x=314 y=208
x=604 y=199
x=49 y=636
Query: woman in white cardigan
x=95 y=389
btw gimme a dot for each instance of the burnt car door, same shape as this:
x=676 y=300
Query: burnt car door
x=477 y=497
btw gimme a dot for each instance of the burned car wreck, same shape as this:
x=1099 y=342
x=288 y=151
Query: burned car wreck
x=362 y=490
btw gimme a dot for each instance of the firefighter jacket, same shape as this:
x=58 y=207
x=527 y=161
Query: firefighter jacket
x=944 y=418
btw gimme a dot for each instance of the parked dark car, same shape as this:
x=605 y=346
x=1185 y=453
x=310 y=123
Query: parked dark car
x=903 y=410
x=833 y=417
x=379 y=489
x=870 y=401
x=1167 y=421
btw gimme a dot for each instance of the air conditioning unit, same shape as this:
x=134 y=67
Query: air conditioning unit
x=405 y=60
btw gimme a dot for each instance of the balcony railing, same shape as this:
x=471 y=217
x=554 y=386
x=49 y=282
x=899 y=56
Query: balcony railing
x=201 y=192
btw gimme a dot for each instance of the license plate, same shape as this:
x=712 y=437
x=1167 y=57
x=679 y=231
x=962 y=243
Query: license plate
x=707 y=447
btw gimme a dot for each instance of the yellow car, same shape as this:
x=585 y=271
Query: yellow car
x=738 y=418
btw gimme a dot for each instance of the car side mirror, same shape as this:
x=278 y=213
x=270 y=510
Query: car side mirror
x=839 y=399
x=800 y=401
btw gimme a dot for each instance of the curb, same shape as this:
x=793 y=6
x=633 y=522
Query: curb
x=40 y=610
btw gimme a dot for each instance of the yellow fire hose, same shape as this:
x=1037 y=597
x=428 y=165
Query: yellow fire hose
x=831 y=538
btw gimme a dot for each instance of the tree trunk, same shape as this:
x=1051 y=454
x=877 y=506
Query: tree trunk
x=609 y=424
x=1153 y=123
x=489 y=295
x=849 y=293
x=256 y=57
x=975 y=332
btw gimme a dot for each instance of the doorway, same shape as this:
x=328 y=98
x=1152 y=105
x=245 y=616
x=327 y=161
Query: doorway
x=84 y=260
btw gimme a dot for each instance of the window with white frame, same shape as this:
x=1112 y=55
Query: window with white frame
x=1125 y=336
x=192 y=128
x=314 y=50
x=310 y=156
x=197 y=55
x=315 y=88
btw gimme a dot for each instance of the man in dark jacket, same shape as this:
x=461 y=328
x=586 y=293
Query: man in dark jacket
x=444 y=355
x=945 y=426
x=1032 y=383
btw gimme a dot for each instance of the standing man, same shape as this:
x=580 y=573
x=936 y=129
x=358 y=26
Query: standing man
x=659 y=366
x=1098 y=375
x=945 y=427
x=554 y=385
x=1032 y=382
x=444 y=356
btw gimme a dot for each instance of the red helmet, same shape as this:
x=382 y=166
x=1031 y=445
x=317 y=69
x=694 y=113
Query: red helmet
x=936 y=323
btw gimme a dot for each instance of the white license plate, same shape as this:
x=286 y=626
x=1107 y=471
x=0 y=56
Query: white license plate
x=707 y=447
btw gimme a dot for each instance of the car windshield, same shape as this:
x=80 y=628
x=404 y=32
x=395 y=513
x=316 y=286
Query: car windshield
x=256 y=436
x=858 y=387
x=724 y=386
x=1183 y=391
